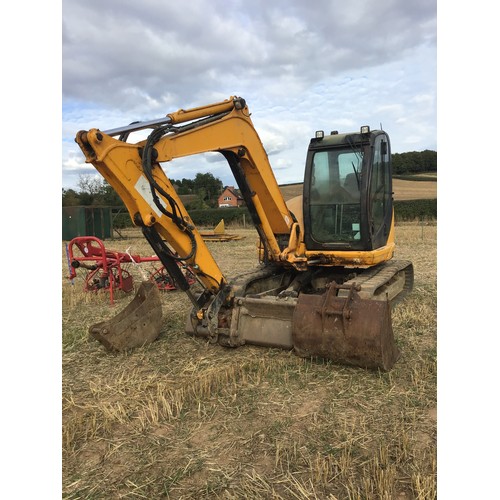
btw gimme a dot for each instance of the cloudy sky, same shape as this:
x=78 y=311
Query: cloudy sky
x=301 y=66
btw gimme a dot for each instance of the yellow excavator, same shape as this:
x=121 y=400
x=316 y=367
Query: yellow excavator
x=326 y=279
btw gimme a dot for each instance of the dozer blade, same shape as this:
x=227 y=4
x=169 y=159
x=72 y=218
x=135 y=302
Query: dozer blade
x=348 y=330
x=137 y=325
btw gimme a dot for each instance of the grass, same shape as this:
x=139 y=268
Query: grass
x=182 y=419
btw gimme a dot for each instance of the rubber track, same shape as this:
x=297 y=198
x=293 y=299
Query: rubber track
x=372 y=279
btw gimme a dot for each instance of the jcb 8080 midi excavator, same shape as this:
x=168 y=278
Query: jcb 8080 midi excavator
x=326 y=280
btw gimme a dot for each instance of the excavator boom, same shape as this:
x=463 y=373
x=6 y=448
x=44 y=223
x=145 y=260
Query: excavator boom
x=135 y=173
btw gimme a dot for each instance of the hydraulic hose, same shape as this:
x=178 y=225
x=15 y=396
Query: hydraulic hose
x=148 y=157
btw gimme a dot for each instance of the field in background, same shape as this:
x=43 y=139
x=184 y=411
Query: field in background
x=414 y=190
x=183 y=419
x=403 y=190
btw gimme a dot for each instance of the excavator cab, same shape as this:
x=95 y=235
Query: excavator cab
x=347 y=202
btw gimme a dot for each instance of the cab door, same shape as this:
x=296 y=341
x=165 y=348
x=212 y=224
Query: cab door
x=380 y=192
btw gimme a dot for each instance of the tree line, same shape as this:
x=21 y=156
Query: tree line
x=205 y=188
x=414 y=162
x=96 y=191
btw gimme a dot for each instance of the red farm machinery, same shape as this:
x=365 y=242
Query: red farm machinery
x=109 y=270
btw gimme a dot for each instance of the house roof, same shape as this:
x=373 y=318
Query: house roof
x=233 y=191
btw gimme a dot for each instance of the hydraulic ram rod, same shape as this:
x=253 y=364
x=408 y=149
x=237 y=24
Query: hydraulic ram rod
x=138 y=126
x=183 y=115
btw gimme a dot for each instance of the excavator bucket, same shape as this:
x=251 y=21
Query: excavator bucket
x=136 y=325
x=348 y=330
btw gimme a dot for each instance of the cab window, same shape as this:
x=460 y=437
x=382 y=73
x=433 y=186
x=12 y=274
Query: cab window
x=380 y=195
x=335 y=196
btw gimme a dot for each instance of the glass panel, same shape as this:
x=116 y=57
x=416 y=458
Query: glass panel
x=379 y=187
x=335 y=196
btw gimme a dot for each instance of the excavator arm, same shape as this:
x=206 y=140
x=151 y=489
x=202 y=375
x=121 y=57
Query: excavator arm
x=135 y=172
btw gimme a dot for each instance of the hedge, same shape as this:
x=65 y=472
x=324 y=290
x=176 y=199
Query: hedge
x=408 y=210
x=411 y=210
x=416 y=178
x=212 y=216
x=404 y=211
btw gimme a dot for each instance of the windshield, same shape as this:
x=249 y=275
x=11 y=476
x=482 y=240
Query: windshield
x=335 y=195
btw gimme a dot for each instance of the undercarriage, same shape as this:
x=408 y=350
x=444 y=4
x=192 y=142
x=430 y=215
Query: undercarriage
x=332 y=313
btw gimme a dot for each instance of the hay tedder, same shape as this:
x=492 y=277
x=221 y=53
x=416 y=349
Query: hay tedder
x=109 y=270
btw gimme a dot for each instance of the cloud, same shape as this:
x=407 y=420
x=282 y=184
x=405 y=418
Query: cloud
x=299 y=68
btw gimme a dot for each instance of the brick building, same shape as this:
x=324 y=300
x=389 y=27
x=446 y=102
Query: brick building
x=230 y=197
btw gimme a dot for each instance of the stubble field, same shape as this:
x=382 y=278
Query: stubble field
x=403 y=189
x=183 y=419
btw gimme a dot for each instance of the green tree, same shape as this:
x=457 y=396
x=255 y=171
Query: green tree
x=205 y=186
x=414 y=162
x=91 y=191
x=429 y=159
x=208 y=188
x=185 y=186
x=96 y=191
x=70 y=198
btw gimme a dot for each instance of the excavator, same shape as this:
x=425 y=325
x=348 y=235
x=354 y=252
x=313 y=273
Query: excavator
x=326 y=278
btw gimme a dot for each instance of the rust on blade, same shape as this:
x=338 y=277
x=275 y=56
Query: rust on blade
x=137 y=325
x=348 y=330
